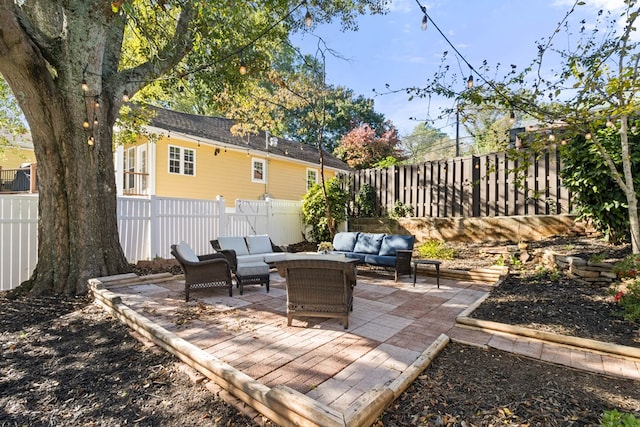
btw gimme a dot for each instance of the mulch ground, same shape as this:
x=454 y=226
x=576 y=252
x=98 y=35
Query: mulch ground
x=65 y=362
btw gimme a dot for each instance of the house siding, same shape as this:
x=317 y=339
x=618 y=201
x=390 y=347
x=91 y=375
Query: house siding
x=13 y=157
x=229 y=174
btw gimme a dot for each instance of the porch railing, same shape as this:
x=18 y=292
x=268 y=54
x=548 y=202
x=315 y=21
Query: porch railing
x=19 y=180
x=135 y=184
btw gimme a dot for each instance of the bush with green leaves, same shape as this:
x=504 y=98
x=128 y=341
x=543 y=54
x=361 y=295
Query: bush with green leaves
x=401 y=210
x=596 y=195
x=628 y=297
x=615 y=418
x=435 y=249
x=365 y=203
x=314 y=209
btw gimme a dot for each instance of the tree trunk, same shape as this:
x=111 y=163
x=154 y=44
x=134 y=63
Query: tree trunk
x=77 y=225
x=629 y=188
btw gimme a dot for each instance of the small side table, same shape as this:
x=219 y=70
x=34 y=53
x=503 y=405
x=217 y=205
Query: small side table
x=435 y=263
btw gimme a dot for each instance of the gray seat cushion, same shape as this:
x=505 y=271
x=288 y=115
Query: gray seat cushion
x=252 y=269
x=234 y=243
x=259 y=244
x=186 y=253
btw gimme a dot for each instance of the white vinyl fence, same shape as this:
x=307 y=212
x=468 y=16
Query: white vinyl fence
x=148 y=226
x=18 y=238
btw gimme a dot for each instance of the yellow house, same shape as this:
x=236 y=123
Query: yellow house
x=17 y=164
x=197 y=157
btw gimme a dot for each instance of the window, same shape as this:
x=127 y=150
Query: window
x=258 y=170
x=182 y=160
x=312 y=178
x=130 y=169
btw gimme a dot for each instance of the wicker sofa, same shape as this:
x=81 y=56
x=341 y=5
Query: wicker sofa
x=249 y=249
x=390 y=251
x=250 y=258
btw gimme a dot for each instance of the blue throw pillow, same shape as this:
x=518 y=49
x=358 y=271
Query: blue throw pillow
x=345 y=241
x=396 y=242
x=369 y=243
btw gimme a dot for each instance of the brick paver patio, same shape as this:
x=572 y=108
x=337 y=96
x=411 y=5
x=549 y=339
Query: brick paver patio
x=391 y=325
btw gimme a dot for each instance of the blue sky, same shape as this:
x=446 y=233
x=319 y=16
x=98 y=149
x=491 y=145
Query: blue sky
x=392 y=49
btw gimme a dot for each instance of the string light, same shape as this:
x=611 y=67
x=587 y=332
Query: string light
x=86 y=124
x=308 y=20
x=512 y=117
x=242 y=68
x=470 y=81
x=588 y=135
x=85 y=85
x=125 y=96
x=91 y=140
x=424 y=22
x=609 y=122
x=95 y=120
x=96 y=101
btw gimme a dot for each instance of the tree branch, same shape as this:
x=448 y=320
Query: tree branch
x=133 y=79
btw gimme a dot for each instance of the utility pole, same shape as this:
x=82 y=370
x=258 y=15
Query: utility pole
x=457 y=130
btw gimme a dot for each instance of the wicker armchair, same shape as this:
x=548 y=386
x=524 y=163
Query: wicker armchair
x=202 y=271
x=319 y=288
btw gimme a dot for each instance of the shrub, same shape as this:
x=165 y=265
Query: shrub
x=435 y=249
x=629 y=297
x=614 y=418
x=314 y=209
x=629 y=300
x=596 y=195
x=400 y=210
x=365 y=202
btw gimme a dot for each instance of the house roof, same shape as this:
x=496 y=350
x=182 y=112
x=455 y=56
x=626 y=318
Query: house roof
x=219 y=129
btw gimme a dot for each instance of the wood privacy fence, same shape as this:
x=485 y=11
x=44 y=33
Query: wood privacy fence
x=475 y=186
x=147 y=227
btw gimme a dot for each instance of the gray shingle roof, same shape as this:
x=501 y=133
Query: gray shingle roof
x=218 y=129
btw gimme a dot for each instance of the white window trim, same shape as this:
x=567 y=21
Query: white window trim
x=181 y=150
x=306 y=177
x=264 y=170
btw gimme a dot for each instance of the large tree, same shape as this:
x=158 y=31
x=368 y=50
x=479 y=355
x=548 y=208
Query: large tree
x=65 y=64
x=426 y=143
x=286 y=103
x=362 y=148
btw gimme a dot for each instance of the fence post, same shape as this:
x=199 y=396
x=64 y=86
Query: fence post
x=222 y=212
x=154 y=228
x=33 y=187
x=475 y=186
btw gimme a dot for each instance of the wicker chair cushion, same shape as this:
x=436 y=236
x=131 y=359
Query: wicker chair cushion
x=253 y=269
x=187 y=254
x=234 y=243
x=369 y=243
x=259 y=244
x=394 y=242
x=345 y=241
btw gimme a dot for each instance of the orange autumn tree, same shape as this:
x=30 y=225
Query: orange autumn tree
x=363 y=148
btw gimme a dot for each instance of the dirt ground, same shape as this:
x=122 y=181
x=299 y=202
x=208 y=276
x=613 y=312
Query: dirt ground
x=66 y=363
